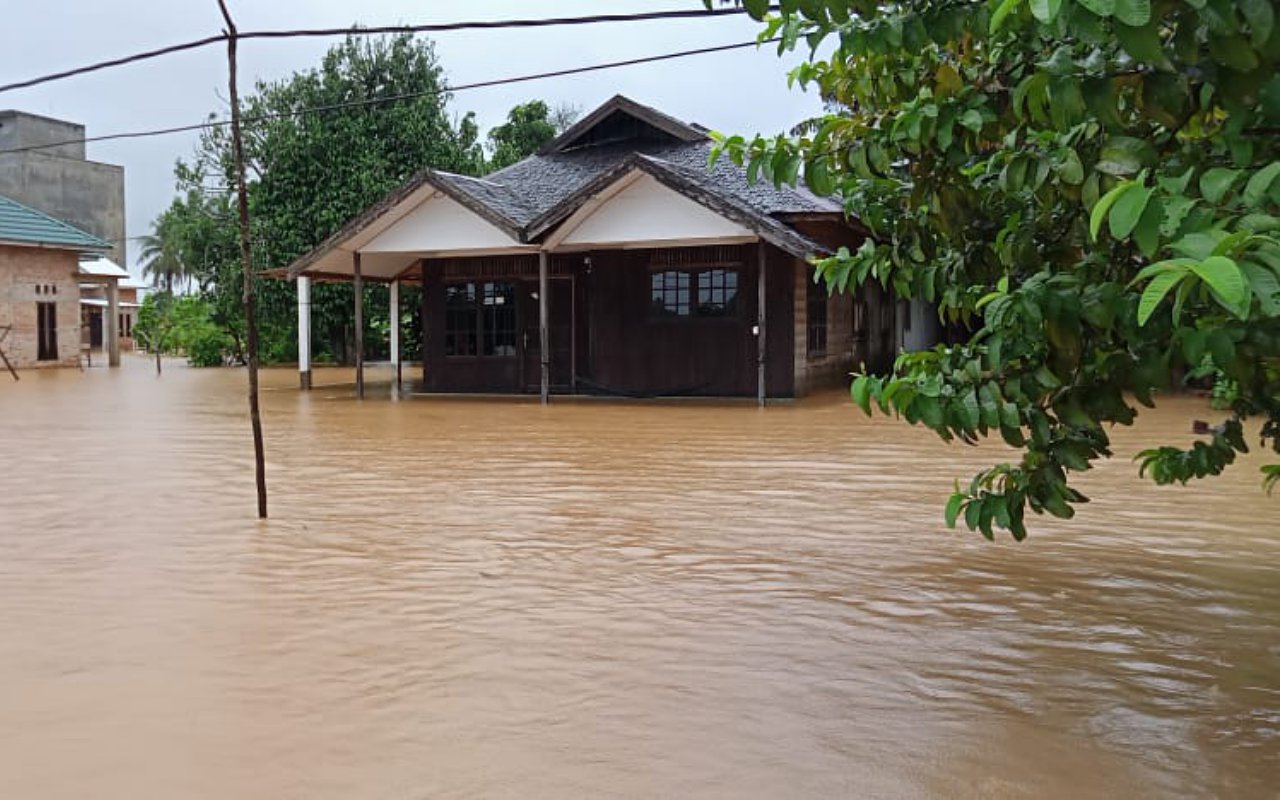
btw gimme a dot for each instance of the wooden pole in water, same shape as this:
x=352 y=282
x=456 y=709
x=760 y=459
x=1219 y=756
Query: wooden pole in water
x=246 y=261
x=761 y=340
x=544 y=338
x=358 y=286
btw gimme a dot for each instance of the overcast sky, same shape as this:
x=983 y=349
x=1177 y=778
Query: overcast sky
x=742 y=91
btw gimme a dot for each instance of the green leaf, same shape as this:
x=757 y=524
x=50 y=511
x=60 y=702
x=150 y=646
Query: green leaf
x=1255 y=191
x=1069 y=168
x=1261 y=17
x=1046 y=10
x=1104 y=205
x=1265 y=285
x=756 y=8
x=953 y=509
x=1155 y=292
x=1227 y=281
x=1133 y=12
x=861 y=393
x=972 y=119
x=1002 y=11
x=1125 y=155
x=1216 y=182
x=1128 y=210
x=1143 y=43
x=1103 y=8
x=1147 y=233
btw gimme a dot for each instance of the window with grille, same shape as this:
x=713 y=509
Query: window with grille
x=461 y=322
x=718 y=293
x=499 y=312
x=480 y=319
x=670 y=294
x=817 y=317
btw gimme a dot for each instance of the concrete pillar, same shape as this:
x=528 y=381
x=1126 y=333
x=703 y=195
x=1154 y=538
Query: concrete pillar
x=358 y=285
x=394 y=320
x=304 y=332
x=113 y=323
x=544 y=337
x=761 y=327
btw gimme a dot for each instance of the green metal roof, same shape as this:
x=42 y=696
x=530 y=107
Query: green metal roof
x=23 y=225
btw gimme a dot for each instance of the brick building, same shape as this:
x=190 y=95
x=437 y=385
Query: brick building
x=40 y=286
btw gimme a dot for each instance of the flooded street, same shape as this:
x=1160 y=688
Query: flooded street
x=494 y=599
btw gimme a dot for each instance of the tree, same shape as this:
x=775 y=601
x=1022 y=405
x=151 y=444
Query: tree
x=528 y=127
x=310 y=172
x=1092 y=186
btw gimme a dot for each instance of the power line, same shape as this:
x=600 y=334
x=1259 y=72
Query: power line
x=395 y=98
x=428 y=28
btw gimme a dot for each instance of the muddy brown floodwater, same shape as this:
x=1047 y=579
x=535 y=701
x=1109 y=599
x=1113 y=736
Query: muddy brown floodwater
x=494 y=599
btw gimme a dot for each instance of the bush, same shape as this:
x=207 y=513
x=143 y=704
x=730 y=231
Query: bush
x=206 y=346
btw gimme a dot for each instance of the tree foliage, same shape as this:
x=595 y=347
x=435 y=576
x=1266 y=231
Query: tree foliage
x=1091 y=186
x=528 y=127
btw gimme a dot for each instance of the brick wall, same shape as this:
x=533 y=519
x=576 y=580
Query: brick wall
x=30 y=275
x=831 y=368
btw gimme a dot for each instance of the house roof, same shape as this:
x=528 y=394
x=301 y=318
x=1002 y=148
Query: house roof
x=102 y=267
x=527 y=199
x=24 y=226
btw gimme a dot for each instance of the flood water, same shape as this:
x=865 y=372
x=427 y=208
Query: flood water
x=494 y=599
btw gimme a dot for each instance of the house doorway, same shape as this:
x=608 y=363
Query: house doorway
x=46 y=331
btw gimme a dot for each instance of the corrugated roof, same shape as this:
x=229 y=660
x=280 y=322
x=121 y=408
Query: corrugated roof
x=21 y=224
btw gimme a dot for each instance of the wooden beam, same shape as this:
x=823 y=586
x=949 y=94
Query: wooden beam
x=761 y=322
x=544 y=338
x=358 y=288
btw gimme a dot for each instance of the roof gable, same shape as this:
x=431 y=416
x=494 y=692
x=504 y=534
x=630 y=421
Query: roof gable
x=21 y=225
x=623 y=120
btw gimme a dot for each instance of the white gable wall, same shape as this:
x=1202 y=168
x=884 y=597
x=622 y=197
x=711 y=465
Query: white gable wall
x=645 y=213
x=440 y=223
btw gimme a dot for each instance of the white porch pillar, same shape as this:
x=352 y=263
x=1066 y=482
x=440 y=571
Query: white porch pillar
x=304 y=332
x=394 y=320
x=113 y=323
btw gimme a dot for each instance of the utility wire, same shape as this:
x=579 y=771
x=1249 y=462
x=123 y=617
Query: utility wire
x=218 y=123
x=358 y=31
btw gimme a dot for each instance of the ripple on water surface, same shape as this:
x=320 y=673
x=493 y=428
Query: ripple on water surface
x=477 y=599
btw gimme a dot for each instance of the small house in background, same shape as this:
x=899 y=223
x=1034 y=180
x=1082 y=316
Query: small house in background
x=95 y=301
x=615 y=261
x=40 y=286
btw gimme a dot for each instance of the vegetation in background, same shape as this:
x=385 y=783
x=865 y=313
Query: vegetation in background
x=528 y=127
x=309 y=175
x=1092 y=186
x=181 y=325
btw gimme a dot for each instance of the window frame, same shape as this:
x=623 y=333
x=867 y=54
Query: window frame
x=817 y=296
x=480 y=312
x=693 y=273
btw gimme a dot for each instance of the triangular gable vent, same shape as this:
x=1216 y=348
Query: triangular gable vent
x=623 y=120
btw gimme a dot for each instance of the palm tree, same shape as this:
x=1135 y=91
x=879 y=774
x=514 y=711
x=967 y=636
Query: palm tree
x=161 y=259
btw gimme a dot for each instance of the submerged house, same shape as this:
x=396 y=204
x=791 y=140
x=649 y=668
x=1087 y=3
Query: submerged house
x=613 y=261
x=40 y=322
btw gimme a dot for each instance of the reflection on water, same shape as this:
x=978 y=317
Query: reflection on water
x=478 y=599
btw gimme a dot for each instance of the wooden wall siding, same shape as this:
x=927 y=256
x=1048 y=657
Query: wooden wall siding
x=619 y=346
x=630 y=351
